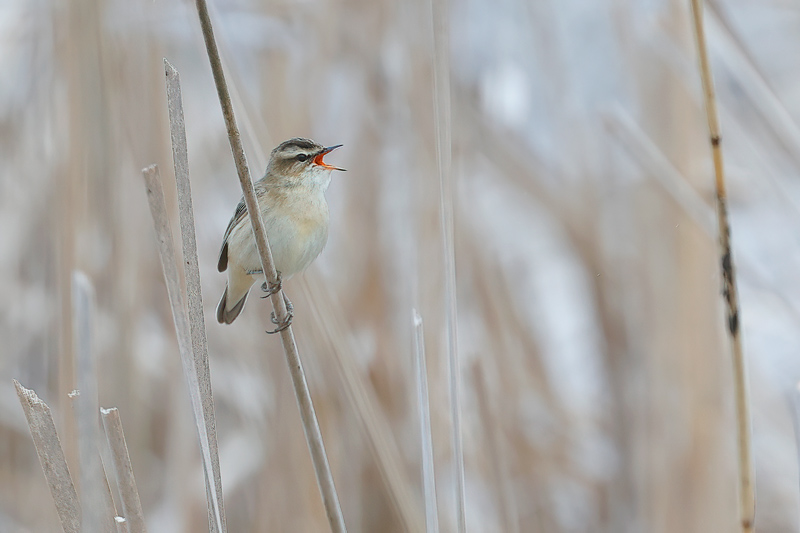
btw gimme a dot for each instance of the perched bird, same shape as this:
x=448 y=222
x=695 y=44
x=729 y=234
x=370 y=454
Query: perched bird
x=291 y=197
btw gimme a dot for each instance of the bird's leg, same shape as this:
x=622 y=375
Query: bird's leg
x=271 y=288
x=286 y=322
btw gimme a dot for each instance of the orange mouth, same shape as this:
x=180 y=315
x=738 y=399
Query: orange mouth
x=319 y=161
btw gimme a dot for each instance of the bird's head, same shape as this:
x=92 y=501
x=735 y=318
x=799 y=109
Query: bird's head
x=300 y=161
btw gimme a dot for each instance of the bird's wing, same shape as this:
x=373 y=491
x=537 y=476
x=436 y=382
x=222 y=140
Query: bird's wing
x=239 y=214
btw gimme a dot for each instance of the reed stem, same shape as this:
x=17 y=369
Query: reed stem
x=309 y=418
x=729 y=291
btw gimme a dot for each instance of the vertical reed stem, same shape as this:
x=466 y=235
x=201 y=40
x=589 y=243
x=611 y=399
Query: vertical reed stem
x=746 y=472
x=309 y=418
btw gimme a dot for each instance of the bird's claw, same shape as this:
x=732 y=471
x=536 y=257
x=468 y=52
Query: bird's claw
x=283 y=324
x=272 y=288
x=287 y=321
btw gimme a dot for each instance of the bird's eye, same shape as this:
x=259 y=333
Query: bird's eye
x=301 y=157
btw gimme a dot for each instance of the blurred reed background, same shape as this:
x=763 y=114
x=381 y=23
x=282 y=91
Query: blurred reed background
x=596 y=374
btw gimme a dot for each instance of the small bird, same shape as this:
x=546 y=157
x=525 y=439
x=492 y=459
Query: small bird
x=291 y=197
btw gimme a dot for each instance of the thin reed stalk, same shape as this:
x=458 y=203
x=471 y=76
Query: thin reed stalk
x=166 y=250
x=51 y=458
x=309 y=418
x=133 y=521
x=426 y=437
x=441 y=103
x=729 y=291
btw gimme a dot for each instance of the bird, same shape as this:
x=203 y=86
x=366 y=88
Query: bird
x=291 y=198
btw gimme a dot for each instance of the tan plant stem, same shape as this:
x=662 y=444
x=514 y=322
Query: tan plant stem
x=746 y=473
x=129 y=494
x=308 y=416
x=51 y=458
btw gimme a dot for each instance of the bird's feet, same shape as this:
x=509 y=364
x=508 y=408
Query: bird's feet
x=272 y=288
x=287 y=321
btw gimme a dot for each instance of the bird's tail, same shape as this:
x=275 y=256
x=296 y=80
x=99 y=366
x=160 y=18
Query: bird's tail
x=226 y=314
x=236 y=290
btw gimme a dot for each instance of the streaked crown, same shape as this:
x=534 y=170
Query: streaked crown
x=293 y=159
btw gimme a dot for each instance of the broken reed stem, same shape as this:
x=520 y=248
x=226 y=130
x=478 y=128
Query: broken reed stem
x=729 y=291
x=426 y=437
x=309 y=418
x=51 y=458
x=191 y=268
x=169 y=262
x=133 y=521
x=441 y=104
x=106 y=500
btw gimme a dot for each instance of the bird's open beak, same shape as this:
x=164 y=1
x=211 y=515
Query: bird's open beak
x=318 y=158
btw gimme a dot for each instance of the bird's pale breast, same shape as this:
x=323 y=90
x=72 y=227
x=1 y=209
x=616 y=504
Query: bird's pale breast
x=297 y=229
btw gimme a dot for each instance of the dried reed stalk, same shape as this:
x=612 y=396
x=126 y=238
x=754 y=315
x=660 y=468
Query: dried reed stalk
x=309 y=418
x=51 y=458
x=133 y=521
x=441 y=103
x=96 y=501
x=426 y=437
x=197 y=393
x=729 y=291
